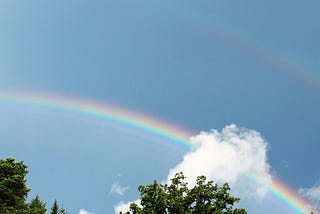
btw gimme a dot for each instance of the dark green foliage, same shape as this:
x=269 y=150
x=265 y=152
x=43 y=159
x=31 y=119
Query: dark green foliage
x=62 y=211
x=13 y=189
x=205 y=197
x=36 y=206
x=54 y=208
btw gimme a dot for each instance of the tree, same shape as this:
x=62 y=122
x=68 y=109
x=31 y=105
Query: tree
x=55 y=208
x=36 y=206
x=176 y=198
x=62 y=211
x=13 y=189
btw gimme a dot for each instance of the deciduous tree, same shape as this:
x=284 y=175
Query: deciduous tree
x=176 y=198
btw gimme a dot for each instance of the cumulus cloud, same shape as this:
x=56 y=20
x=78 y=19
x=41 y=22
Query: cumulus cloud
x=83 y=211
x=312 y=195
x=117 y=189
x=227 y=156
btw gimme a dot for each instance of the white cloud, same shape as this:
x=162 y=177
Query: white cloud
x=312 y=195
x=117 y=189
x=83 y=211
x=124 y=207
x=226 y=156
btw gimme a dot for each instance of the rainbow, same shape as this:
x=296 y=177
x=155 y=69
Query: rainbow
x=120 y=118
x=283 y=61
x=283 y=195
x=145 y=125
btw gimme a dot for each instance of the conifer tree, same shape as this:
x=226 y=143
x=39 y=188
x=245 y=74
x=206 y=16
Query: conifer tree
x=36 y=206
x=14 y=191
x=55 y=208
x=62 y=211
x=13 y=188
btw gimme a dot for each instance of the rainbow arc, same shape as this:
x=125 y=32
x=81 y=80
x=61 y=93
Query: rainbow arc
x=144 y=125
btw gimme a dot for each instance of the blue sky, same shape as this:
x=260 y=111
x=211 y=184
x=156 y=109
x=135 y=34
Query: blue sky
x=199 y=64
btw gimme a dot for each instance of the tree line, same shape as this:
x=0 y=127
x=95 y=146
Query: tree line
x=176 y=198
x=205 y=197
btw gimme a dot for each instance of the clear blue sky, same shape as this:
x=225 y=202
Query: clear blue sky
x=201 y=64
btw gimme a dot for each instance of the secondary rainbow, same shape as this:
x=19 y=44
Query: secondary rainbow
x=281 y=59
x=140 y=124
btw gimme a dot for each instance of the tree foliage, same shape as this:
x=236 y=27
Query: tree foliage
x=62 y=211
x=36 y=206
x=55 y=208
x=14 y=191
x=176 y=198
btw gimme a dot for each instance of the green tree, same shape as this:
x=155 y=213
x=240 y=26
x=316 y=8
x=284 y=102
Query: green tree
x=175 y=198
x=36 y=206
x=62 y=211
x=13 y=189
x=55 y=208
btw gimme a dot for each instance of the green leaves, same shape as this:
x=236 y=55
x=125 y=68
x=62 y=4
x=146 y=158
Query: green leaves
x=175 y=198
x=153 y=198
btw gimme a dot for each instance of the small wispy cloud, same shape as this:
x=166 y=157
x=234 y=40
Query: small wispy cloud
x=83 y=211
x=117 y=189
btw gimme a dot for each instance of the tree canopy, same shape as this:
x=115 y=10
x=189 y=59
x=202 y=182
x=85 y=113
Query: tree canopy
x=36 y=206
x=56 y=210
x=14 y=191
x=176 y=198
